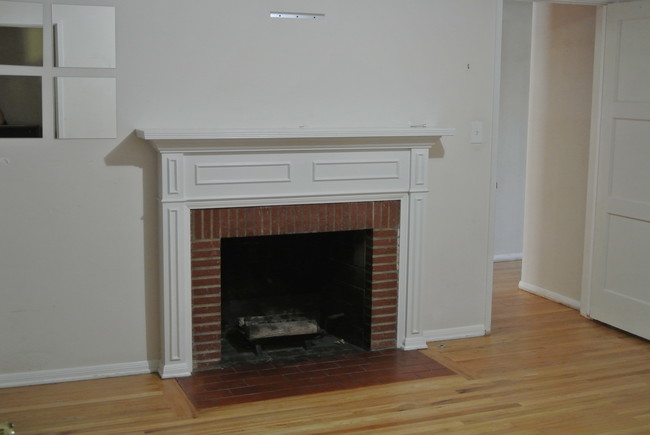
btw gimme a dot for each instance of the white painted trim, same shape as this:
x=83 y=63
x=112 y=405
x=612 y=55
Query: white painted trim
x=416 y=343
x=255 y=201
x=455 y=333
x=508 y=257
x=174 y=370
x=288 y=133
x=415 y=243
x=76 y=374
x=550 y=295
x=592 y=177
x=494 y=139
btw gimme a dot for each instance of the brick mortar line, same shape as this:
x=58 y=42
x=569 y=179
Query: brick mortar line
x=384 y=324
x=201 y=315
x=195 y=249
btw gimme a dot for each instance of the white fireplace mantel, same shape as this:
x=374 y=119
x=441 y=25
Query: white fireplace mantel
x=171 y=134
x=217 y=168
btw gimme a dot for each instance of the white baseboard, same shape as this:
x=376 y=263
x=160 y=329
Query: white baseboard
x=76 y=374
x=174 y=370
x=455 y=333
x=548 y=294
x=507 y=257
x=415 y=343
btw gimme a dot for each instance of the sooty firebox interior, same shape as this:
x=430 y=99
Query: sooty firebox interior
x=290 y=296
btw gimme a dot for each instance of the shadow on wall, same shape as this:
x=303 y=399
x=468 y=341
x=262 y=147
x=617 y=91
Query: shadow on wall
x=133 y=151
x=437 y=151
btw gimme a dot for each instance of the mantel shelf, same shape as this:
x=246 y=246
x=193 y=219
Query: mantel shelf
x=176 y=134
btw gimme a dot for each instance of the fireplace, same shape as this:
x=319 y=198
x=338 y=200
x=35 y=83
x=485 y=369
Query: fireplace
x=336 y=263
x=220 y=184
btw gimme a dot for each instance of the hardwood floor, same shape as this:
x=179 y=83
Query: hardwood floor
x=544 y=369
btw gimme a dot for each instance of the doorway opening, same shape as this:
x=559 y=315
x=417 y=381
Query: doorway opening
x=545 y=125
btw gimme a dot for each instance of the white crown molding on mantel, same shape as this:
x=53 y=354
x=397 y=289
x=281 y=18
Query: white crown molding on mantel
x=188 y=140
x=289 y=133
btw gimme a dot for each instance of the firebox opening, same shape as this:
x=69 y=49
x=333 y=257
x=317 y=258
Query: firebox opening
x=287 y=296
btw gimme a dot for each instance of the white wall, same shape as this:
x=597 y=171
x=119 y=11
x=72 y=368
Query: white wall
x=78 y=256
x=15 y=14
x=513 y=128
x=558 y=150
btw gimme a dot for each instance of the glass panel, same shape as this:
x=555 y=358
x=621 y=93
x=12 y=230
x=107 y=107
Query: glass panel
x=21 y=114
x=84 y=36
x=21 y=34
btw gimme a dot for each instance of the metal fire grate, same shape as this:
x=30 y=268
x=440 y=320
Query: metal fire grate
x=277 y=325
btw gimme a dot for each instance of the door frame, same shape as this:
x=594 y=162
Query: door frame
x=592 y=175
x=590 y=215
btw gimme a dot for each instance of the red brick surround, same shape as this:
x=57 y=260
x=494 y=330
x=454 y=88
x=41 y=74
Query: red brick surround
x=210 y=225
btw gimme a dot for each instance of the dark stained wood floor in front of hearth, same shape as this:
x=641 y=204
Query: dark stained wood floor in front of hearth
x=253 y=383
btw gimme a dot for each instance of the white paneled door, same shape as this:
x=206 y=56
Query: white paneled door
x=620 y=265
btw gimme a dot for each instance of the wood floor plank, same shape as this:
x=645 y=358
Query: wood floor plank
x=544 y=369
x=177 y=399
